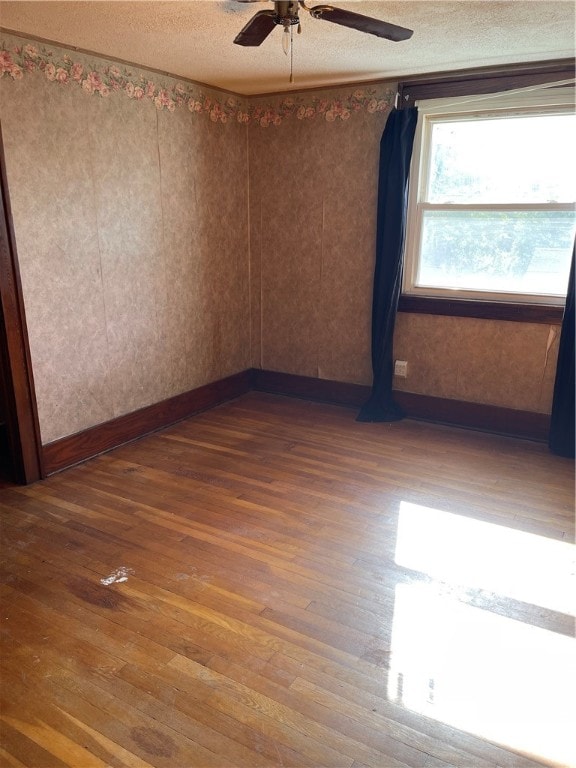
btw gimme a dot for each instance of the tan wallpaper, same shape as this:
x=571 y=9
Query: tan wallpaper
x=481 y=361
x=312 y=230
x=313 y=194
x=169 y=237
x=132 y=237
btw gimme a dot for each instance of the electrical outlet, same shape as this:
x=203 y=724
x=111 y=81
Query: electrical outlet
x=401 y=368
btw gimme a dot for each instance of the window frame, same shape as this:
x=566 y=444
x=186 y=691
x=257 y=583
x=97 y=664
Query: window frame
x=436 y=111
x=487 y=80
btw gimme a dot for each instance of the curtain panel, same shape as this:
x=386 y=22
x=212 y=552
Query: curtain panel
x=561 y=439
x=395 y=155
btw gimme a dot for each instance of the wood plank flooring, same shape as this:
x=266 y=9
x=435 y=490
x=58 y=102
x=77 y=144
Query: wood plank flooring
x=271 y=583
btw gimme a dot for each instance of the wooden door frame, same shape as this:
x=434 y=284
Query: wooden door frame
x=22 y=412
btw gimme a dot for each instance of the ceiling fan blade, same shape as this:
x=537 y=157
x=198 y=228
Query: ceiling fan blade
x=257 y=29
x=360 y=22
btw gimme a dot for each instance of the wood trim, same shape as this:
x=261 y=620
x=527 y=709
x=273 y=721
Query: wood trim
x=74 y=449
x=22 y=412
x=465 y=82
x=488 y=418
x=544 y=314
x=310 y=388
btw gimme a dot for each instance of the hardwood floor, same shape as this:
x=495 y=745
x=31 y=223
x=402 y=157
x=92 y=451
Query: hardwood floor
x=271 y=583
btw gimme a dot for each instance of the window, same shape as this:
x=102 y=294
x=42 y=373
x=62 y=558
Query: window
x=492 y=198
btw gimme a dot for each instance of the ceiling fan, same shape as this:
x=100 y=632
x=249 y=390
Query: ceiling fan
x=285 y=14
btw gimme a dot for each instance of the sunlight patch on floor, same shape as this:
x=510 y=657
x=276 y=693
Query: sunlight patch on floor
x=472 y=553
x=499 y=678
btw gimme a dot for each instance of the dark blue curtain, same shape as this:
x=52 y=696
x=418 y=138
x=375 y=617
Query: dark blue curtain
x=561 y=438
x=395 y=154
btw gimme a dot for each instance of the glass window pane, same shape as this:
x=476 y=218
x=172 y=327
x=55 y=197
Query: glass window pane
x=508 y=251
x=529 y=159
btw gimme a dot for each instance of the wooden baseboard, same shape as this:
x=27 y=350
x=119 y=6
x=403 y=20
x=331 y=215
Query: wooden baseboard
x=310 y=388
x=84 y=445
x=488 y=418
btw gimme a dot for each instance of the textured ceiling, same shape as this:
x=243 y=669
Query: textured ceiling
x=194 y=39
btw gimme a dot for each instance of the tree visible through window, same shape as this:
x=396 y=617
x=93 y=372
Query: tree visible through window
x=492 y=211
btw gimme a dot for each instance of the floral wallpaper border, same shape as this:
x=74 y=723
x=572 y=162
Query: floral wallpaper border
x=102 y=80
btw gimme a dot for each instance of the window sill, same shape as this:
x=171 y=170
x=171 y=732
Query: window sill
x=486 y=310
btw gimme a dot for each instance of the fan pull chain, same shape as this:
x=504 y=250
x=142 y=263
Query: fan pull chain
x=292 y=52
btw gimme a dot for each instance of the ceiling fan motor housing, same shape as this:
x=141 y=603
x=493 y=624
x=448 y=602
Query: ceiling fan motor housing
x=286 y=12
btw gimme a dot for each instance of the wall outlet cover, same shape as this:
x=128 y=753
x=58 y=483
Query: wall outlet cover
x=401 y=368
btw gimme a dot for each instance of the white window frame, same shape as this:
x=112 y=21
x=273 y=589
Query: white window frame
x=538 y=101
